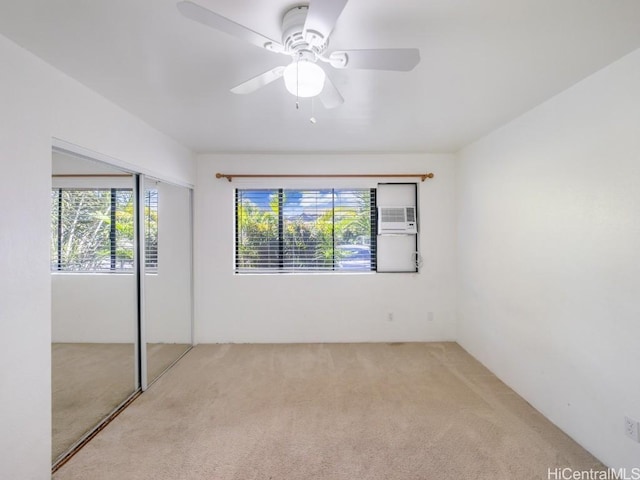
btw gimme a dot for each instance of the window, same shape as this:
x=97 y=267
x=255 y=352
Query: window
x=293 y=231
x=151 y=230
x=92 y=230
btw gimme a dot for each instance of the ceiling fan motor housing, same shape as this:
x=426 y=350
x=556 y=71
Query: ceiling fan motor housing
x=293 y=37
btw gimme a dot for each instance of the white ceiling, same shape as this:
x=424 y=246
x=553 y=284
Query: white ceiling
x=483 y=63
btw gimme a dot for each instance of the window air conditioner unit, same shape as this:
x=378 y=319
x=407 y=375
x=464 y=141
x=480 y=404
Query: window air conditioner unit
x=397 y=220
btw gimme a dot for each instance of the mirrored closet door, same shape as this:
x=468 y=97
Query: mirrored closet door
x=167 y=282
x=104 y=300
x=93 y=303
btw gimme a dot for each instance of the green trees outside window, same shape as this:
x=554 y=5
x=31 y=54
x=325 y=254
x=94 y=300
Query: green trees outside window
x=292 y=231
x=92 y=230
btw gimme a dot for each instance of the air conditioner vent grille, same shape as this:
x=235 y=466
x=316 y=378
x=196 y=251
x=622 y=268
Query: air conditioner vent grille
x=411 y=214
x=391 y=214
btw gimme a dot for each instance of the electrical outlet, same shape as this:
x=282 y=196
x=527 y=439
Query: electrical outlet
x=390 y=316
x=632 y=429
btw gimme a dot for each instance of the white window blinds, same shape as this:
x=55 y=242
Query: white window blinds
x=151 y=230
x=92 y=230
x=292 y=231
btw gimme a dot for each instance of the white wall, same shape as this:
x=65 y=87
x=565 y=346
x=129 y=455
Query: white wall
x=322 y=307
x=93 y=308
x=549 y=257
x=38 y=104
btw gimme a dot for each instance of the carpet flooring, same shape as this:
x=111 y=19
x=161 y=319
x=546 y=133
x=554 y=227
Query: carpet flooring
x=89 y=380
x=317 y=411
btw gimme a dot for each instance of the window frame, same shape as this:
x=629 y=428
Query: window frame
x=281 y=268
x=58 y=266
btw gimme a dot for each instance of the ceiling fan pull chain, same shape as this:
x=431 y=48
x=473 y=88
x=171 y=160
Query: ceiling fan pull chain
x=298 y=83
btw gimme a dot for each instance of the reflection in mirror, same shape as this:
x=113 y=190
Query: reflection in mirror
x=93 y=296
x=167 y=283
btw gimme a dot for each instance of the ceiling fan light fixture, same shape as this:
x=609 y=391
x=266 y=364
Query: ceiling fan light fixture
x=304 y=79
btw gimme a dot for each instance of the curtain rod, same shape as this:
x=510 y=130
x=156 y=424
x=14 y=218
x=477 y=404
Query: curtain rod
x=422 y=176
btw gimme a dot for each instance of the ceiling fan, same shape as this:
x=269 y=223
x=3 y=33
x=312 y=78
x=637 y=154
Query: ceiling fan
x=305 y=38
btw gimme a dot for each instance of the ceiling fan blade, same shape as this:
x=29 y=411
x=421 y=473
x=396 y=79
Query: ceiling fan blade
x=399 y=59
x=260 y=81
x=202 y=15
x=330 y=96
x=322 y=16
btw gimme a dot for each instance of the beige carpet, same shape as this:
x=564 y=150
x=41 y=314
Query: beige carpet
x=89 y=380
x=359 y=411
x=160 y=356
